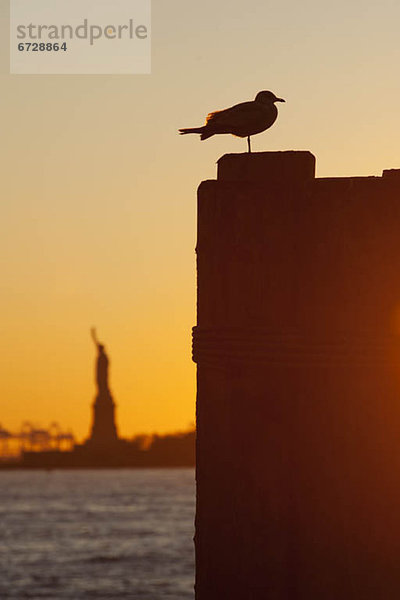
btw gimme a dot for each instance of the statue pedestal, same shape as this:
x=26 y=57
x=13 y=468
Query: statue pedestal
x=104 y=430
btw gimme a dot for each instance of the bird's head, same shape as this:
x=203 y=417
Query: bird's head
x=267 y=98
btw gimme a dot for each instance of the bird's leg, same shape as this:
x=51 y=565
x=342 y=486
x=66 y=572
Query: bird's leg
x=248 y=143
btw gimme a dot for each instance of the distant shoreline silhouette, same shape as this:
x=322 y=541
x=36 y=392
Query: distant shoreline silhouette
x=104 y=448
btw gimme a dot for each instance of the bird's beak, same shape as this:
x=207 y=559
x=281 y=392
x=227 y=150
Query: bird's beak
x=279 y=100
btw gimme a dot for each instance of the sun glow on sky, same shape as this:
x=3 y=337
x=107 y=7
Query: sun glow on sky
x=99 y=191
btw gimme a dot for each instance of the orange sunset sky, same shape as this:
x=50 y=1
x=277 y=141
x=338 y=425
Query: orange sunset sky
x=98 y=210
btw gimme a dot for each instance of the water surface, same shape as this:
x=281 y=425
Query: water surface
x=97 y=534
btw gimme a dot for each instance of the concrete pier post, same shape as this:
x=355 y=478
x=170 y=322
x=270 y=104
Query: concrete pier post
x=298 y=404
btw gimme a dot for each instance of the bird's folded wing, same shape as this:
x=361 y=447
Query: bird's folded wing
x=246 y=113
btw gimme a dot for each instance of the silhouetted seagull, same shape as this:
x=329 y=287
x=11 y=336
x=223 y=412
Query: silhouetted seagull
x=243 y=120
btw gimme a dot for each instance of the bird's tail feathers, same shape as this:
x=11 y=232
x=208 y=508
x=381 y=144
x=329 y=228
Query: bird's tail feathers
x=191 y=130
